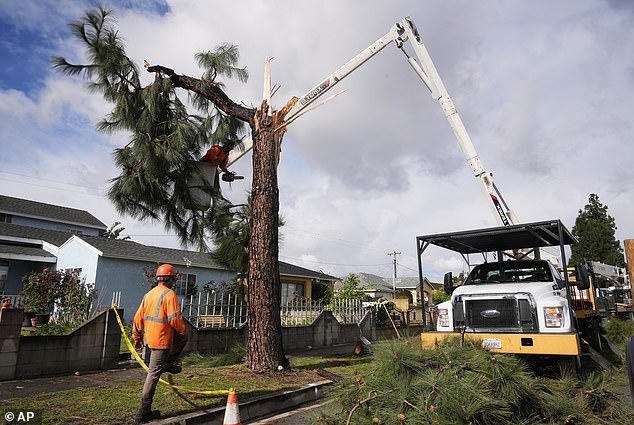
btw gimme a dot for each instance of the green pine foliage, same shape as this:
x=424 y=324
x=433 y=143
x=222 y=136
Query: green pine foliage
x=595 y=229
x=229 y=231
x=168 y=133
x=468 y=385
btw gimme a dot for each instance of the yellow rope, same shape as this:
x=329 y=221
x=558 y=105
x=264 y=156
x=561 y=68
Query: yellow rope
x=144 y=366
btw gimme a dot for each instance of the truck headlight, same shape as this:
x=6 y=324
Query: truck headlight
x=443 y=317
x=553 y=317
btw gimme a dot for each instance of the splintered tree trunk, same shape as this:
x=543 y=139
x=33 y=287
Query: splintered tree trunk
x=264 y=347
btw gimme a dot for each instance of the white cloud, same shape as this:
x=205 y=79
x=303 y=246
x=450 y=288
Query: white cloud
x=543 y=89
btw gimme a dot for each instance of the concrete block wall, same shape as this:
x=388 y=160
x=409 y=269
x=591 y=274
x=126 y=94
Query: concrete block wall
x=10 y=326
x=92 y=346
x=324 y=331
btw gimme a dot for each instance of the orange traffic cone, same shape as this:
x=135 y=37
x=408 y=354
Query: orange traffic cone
x=232 y=411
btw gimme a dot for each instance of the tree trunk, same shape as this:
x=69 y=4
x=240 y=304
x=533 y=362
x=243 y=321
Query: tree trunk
x=264 y=347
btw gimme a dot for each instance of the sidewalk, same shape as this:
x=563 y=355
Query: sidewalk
x=130 y=371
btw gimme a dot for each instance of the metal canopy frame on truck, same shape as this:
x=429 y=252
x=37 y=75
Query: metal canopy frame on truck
x=518 y=237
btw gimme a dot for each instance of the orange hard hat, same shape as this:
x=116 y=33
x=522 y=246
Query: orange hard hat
x=166 y=270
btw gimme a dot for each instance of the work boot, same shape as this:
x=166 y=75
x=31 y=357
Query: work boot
x=147 y=416
x=173 y=368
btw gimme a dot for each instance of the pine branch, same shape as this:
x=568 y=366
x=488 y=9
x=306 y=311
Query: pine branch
x=208 y=90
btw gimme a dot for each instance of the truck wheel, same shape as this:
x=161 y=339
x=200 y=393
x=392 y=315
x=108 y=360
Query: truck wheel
x=629 y=356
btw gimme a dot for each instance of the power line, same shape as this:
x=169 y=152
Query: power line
x=54 y=181
x=335 y=264
x=53 y=188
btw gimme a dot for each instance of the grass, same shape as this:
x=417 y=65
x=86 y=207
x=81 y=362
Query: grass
x=123 y=347
x=235 y=356
x=617 y=331
x=117 y=403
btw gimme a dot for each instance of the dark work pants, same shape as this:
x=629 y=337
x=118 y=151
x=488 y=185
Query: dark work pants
x=159 y=359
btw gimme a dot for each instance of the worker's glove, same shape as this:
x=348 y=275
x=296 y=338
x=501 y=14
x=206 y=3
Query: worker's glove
x=138 y=345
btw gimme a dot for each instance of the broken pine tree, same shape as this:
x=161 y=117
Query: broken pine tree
x=167 y=138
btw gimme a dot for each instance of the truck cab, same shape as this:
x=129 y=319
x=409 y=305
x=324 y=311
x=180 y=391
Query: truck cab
x=524 y=296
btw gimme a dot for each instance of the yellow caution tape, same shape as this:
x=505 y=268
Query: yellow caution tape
x=144 y=366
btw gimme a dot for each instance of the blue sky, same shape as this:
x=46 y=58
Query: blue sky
x=544 y=89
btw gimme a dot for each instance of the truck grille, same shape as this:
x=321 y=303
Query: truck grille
x=492 y=313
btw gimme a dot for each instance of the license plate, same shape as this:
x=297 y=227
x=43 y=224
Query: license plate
x=491 y=343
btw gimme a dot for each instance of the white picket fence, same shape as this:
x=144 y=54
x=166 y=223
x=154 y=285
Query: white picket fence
x=229 y=311
x=214 y=311
x=302 y=312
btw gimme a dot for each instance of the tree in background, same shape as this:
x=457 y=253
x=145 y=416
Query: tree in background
x=168 y=137
x=595 y=229
x=458 y=280
x=114 y=232
x=350 y=289
x=321 y=292
x=439 y=296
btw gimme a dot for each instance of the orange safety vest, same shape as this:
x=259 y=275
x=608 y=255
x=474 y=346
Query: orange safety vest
x=158 y=316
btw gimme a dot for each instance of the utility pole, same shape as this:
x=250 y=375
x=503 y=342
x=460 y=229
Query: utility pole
x=394 y=253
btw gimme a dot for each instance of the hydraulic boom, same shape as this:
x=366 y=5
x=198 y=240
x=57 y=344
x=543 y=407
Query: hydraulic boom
x=399 y=34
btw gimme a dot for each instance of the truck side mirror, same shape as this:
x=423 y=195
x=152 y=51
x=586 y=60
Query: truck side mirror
x=448 y=283
x=582 y=277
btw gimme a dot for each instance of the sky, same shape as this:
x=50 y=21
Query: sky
x=544 y=89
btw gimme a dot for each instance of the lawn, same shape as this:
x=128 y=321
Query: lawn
x=118 y=403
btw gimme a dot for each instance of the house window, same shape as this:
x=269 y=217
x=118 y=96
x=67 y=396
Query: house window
x=185 y=284
x=4 y=272
x=5 y=218
x=291 y=290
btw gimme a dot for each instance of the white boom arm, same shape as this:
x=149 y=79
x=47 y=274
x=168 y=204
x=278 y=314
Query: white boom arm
x=401 y=32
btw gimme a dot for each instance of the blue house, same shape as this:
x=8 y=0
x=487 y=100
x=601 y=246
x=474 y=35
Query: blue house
x=121 y=265
x=35 y=235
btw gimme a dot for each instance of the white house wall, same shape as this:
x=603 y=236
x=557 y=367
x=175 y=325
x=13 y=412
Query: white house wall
x=74 y=254
x=127 y=276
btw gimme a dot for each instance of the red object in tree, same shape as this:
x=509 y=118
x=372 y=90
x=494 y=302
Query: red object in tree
x=217 y=155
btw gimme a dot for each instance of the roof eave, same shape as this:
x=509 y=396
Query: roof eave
x=55 y=220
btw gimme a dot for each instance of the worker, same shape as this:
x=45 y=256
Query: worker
x=159 y=319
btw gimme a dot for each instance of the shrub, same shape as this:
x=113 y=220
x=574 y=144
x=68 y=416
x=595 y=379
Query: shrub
x=439 y=296
x=618 y=331
x=62 y=291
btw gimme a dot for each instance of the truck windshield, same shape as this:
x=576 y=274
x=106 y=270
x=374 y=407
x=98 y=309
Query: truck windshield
x=510 y=272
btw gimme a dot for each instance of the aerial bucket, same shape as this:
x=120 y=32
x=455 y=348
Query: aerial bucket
x=205 y=175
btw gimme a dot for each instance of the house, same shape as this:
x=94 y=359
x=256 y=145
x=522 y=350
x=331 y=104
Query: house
x=31 y=240
x=30 y=234
x=115 y=265
x=298 y=281
x=406 y=287
x=28 y=213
